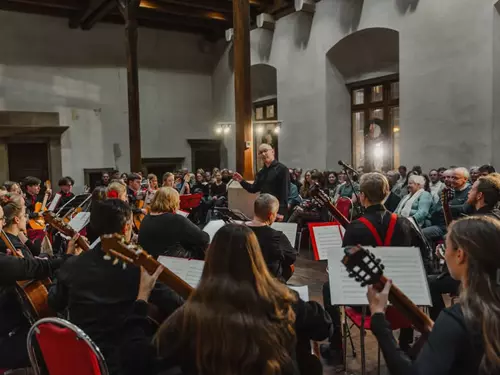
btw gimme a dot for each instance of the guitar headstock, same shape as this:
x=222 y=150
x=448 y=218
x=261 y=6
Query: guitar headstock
x=57 y=223
x=362 y=265
x=117 y=249
x=318 y=195
x=447 y=195
x=48 y=185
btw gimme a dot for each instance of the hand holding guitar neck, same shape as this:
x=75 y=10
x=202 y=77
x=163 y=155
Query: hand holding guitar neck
x=65 y=229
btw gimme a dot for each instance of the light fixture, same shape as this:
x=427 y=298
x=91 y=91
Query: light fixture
x=378 y=151
x=277 y=129
x=223 y=128
x=218 y=130
x=260 y=129
x=396 y=129
x=227 y=129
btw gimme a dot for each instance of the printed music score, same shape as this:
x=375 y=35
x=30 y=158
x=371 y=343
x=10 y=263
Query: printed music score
x=403 y=265
x=54 y=202
x=189 y=270
x=303 y=291
x=325 y=237
x=212 y=227
x=288 y=229
x=80 y=221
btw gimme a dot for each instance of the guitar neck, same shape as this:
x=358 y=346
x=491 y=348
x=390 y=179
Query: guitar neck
x=167 y=277
x=337 y=214
x=448 y=217
x=44 y=203
x=405 y=306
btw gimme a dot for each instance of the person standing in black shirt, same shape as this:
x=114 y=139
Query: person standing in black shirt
x=98 y=295
x=465 y=338
x=273 y=179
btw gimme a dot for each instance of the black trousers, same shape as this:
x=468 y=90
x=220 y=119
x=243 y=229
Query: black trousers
x=13 y=350
x=438 y=285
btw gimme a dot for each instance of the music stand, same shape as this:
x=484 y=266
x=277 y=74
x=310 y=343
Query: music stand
x=233 y=214
x=82 y=200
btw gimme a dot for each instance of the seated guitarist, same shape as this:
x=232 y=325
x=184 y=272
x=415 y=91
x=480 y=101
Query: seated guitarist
x=14 y=325
x=377 y=227
x=98 y=295
x=32 y=189
x=133 y=193
x=66 y=185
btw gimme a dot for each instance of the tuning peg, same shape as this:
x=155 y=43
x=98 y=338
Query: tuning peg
x=358 y=279
x=351 y=275
x=363 y=284
x=124 y=265
x=382 y=267
x=115 y=261
x=106 y=257
x=378 y=260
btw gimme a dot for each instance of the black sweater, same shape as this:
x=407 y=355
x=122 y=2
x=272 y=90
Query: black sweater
x=172 y=235
x=451 y=349
x=277 y=250
x=139 y=356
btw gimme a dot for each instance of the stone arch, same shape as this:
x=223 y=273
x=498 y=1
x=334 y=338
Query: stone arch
x=363 y=55
x=264 y=79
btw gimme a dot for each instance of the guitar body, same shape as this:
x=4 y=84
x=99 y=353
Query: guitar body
x=39 y=223
x=139 y=217
x=34 y=299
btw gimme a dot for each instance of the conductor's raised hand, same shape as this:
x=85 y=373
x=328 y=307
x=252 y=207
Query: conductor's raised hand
x=237 y=177
x=378 y=300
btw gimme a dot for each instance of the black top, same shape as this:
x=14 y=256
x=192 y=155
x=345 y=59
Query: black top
x=358 y=233
x=274 y=180
x=65 y=198
x=450 y=349
x=172 y=235
x=488 y=211
x=139 y=355
x=458 y=206
x=277 y=250
x=14 y=269
x=30 y=201
x=218 y=190
x=99 y=296
x=203 y=188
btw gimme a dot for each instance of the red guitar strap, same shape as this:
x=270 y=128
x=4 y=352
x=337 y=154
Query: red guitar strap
x=388 y=235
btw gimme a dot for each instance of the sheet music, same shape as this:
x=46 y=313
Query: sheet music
x=288 y=229
x=212 y=227
x=302 y=290
x=54 y=202
x=402 y=264
x=182 y=213
x=189 y=270
x=328 y=239
x=80 y=221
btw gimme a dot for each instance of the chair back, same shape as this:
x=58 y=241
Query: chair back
x=344 y=205
x=64 y=349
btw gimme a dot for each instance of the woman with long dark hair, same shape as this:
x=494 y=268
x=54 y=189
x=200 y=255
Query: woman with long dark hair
x=238 y=321
x=465 y=338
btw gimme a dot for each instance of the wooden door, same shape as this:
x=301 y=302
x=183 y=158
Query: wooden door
x=205 y=154
x=28 y=159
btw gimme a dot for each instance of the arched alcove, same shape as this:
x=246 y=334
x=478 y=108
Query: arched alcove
x=264 y=81
x=361 y=85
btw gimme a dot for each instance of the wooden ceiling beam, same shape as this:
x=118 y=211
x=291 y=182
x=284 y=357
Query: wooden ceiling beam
x=212 y=5
x=91 y=12
x=178 y=20
x=180 y=10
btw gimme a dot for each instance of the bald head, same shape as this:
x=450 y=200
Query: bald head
x=266 y=153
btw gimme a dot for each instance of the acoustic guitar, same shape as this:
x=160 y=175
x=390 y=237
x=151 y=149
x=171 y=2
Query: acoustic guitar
x=38 y=222
x=323 y=200
x=116 y=248
x=33 y=294
x=447 y=196
x=362 y=265
x=59 y=224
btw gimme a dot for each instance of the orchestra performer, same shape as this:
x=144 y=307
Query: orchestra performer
x=12 y=187
x=133 y=193
x=273 y=179
x=377 y=227
x=14 y=326
x=168 y=180
x=277 y=250
x=164 y=232
x=239 y=320
x=32 y=190
x=465 y=338
x=117 y=190
x=65 y=186
x=96 y=294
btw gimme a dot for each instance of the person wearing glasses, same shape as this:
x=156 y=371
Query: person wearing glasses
x=273 y=179
x=22 y=266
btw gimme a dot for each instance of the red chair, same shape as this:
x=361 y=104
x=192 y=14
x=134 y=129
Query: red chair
x=65 y=349
x=363 y=323
x=344 y=205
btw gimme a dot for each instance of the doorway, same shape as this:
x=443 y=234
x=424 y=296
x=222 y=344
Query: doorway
x=205 y=154
x=28 y=159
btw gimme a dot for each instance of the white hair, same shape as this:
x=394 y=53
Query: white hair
x=416 y=179
x=463 y=171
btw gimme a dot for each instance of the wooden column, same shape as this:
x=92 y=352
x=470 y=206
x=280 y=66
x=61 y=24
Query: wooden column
x=242 y=89
x=129 y=10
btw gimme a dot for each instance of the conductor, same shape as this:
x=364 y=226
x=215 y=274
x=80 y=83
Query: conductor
x=273 y=178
